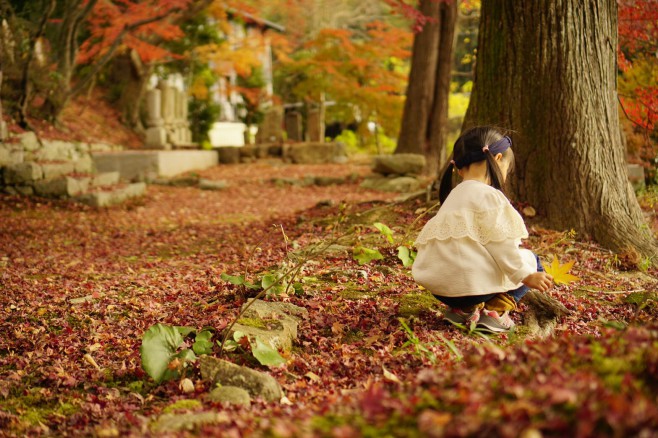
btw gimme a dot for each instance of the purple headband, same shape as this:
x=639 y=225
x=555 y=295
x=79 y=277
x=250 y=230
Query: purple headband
x=498 y=147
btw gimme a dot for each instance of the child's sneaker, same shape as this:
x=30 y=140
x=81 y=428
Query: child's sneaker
x=459 y=316
x=492 y=321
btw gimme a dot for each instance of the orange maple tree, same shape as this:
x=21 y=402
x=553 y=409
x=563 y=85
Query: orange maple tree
x=134 y=24
x=364 y=74
x=638 y=44
x=91 y=32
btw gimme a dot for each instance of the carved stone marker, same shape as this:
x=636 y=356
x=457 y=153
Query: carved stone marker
x=293 y=123
x=166 y=118
x=315 y=126
x=270 y=130
x=156 y=135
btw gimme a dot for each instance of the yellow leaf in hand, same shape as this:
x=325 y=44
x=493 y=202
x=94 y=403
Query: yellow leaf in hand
x=560 y=273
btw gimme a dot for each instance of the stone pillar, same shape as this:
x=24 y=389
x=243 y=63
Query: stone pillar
x=168 y=102
x=176 y=123
x=294 y=126
x=168 y=111
x=187 y=133
x=156 y=136
x=270 y=130
x=315 y=126
x=182 y=125
x=154 y=108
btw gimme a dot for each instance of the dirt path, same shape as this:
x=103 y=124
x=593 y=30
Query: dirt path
x=254 y=193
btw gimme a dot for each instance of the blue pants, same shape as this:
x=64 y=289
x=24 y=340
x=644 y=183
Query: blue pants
x=459 y=302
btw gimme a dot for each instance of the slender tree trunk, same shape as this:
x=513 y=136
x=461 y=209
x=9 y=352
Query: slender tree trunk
x=26 y=81
x=130 y=74
x=58 y=100
x=420 y=91
x=546 y=69
x=75 y=13
x=426 y=108
x=436 y=145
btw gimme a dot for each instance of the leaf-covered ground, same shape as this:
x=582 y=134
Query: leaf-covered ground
x=373 y=358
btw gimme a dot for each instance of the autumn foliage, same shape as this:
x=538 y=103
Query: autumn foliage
x=80 y=287
x=109 y=19
x=638 y=45
x=363 y=73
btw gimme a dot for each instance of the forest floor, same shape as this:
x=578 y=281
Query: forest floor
x=373 y=357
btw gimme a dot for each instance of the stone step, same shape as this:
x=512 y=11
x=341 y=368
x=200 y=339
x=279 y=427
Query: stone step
x=62 y=186
x=57 y=180
x=113 y=196
x=104 y=179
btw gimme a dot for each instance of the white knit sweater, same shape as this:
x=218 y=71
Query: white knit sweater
x=471 y=246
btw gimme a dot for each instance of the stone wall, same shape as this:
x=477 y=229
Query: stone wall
x=51 y=168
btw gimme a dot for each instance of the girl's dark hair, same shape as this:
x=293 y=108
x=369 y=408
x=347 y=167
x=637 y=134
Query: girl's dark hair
x=468 y=150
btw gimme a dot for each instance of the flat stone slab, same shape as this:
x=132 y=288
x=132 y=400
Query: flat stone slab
x=112 y=197
x=399 y=164
x=264 y=309
x=403 y=184
x=62 y=187
x=257 y=384
x=313 y=153
x=273 y=323
x=209 y=184
x=104 y=179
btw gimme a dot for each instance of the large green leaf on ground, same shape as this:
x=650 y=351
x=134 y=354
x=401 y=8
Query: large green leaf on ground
x=159 y=345
x=266 y=355
x=365 y=255
x=202 y=342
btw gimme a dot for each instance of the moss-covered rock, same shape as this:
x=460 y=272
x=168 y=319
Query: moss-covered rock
x=415 y=303
x=230 y=394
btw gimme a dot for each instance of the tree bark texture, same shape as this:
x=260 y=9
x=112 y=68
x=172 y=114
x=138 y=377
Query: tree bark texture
x=420 y=91
x=546 y=70
x=426 y=107
x=131 y=76
x=436 y=145
x=26 y=82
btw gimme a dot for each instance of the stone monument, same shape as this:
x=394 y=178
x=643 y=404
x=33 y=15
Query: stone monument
x=166 y=121
x=293 y=123
x=315 y=125
x=156 y=135
x=270 y=129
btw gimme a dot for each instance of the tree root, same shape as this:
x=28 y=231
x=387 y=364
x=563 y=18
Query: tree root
x=542 y=315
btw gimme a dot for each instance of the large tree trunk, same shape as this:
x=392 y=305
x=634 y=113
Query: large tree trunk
x=546 y=69
x=426 y=107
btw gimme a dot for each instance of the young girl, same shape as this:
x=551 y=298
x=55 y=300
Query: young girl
x=468 y=254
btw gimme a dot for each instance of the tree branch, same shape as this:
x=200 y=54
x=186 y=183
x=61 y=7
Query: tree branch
x=621 y=104
x=25 y=81
x=73 y=47
x=115 y=44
